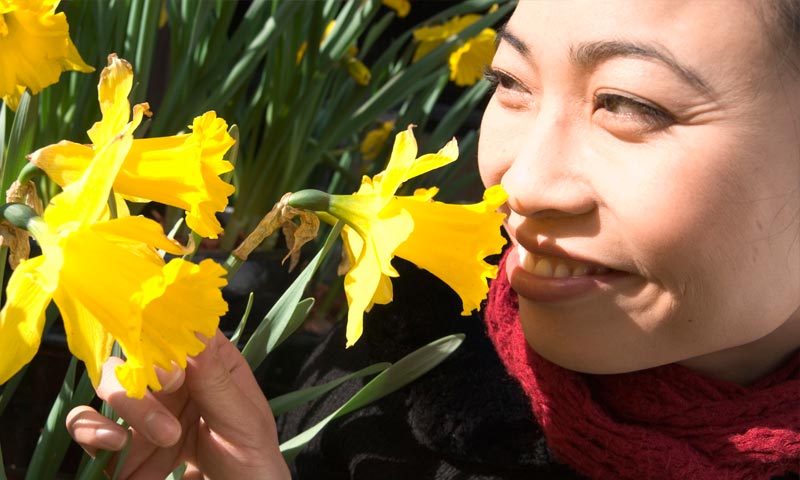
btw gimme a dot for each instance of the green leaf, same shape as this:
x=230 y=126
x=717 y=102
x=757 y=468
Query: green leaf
x=237 y=334
x=271 y=330
x=291 y=400
x=20 y=141
x=299 y=315
x=406 y=370
x=54 y=440
x=2 y=466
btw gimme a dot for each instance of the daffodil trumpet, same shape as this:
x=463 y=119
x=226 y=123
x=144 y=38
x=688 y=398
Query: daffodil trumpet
x=380 y=225
x=180 y=170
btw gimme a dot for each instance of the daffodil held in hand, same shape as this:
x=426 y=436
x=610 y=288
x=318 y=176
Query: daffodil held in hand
x=109 y=283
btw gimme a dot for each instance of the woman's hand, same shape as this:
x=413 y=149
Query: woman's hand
x=212 y=416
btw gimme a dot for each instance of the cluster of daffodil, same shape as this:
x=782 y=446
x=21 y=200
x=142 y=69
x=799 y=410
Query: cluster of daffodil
x=34 y=48
x=380 y=225
x=100 y=264
x=467 y=60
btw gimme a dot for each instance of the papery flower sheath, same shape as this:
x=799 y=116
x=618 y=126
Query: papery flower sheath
x=109 y=284
x=465 y=62
x=34 y=48
x=180 y=170
x=449 y=240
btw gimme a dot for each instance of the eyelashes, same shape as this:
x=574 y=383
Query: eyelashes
x=498 y=78
x=632 y=108
x=619 y=112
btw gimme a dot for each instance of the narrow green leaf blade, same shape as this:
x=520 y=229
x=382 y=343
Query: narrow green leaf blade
x=237 y=334
x=271 y=328
x=291 y=400
x=20 y=140
x=406 y=370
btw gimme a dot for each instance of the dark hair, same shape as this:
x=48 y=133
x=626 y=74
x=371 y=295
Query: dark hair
x=785 y=15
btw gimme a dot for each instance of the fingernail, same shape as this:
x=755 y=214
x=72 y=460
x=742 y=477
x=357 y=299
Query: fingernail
x=110 y=439
x=171 y=379
x=162 y=429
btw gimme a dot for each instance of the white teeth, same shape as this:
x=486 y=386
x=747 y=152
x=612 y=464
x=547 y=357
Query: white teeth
x=543 y=268
x=561 y=271
x=526 y=260
x=580 y=271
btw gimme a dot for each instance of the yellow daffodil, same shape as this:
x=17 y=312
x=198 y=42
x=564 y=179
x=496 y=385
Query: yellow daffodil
x=180 y=170
x=109 y=284
x=402 y=7
x=34 y=48
x=380 y=225
x=465 y=62
x=355 y=68
x=375 y=139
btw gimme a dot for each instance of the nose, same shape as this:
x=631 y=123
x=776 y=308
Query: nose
x=546 y=177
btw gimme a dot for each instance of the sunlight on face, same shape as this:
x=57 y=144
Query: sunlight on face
x=651 y=155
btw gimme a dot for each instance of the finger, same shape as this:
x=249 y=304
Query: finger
x=193 y=473
x=148 y=416
x=241 y=373
x=158 y=463
x=227 y=402
x=171 y=380
x=95 y=432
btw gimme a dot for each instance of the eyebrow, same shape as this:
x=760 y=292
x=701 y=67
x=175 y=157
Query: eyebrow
x=589 y=54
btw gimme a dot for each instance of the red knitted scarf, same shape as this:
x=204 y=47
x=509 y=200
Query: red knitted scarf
x=661 y=423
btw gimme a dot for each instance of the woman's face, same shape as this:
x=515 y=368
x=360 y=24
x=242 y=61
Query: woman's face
x=651 y=153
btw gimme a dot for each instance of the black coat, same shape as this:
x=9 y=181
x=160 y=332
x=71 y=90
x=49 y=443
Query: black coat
x=465 y=419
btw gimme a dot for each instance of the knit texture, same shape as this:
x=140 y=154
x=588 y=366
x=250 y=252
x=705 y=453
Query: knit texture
x=464 y=420
x=661 y=423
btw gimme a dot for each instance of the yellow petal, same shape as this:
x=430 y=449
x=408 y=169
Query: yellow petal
x=358 y=71
x=13 y=98
x=402 y=7
x=138 y=230
x=360 y=284
x=34 y=49
x=28 y=292
x=404 y=154
x=373 y=247
x=87 y=339
x=64 y=162
x=467 y=233
x=182 y=171
x=375 y=139
x=185 y=287
x=468 y=61
x=113 y=89
x=84 y=201
x=431 y=161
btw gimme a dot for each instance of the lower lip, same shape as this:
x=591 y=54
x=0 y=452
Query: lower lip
x=554 y=290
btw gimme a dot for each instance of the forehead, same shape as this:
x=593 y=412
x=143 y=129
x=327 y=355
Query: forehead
x=724 y=36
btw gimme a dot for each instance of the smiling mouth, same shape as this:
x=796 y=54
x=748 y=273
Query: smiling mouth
x=556 y=267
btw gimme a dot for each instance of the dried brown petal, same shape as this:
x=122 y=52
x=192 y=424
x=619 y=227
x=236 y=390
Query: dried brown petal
x=282 y=216
x=17 y=241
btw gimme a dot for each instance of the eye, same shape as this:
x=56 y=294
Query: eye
x=508 y=90
x=628 y=115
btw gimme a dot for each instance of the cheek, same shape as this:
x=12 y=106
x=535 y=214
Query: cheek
x=495 y=146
